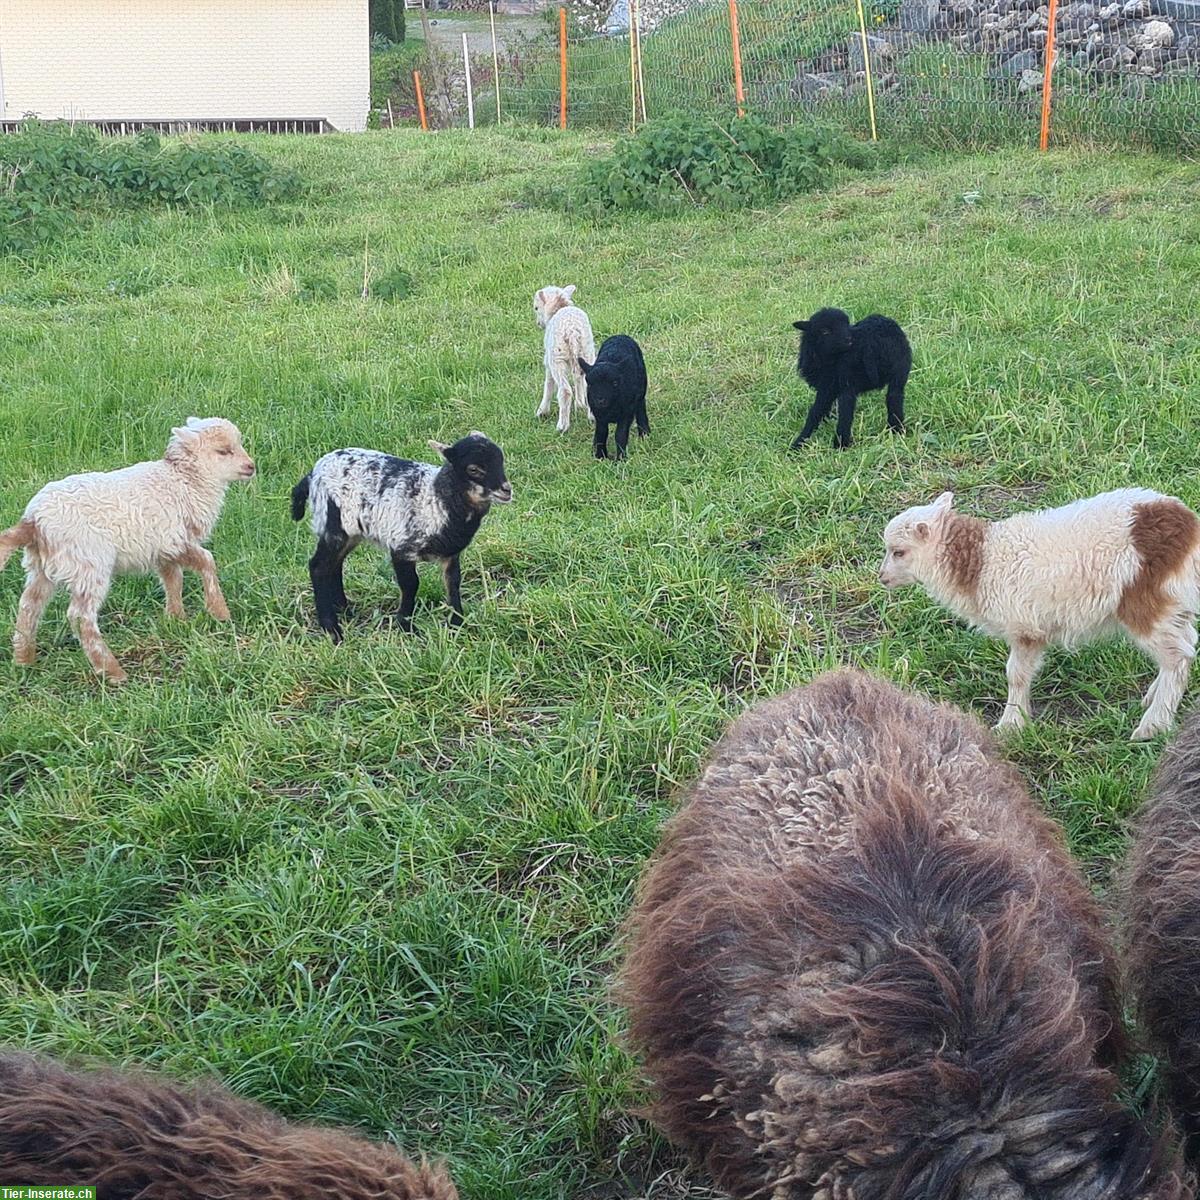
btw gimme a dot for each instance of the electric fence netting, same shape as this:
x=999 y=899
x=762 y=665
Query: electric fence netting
x=945 y=72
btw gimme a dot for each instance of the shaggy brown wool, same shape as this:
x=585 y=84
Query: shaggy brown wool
x=1164 y=534
x=139 y=1138
x=862 y=966
x=1162 y=924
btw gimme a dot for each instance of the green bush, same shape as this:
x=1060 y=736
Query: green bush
x=683 y=160
x=52 y=172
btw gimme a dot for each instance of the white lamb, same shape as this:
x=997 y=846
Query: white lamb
x=568 y=339
x=81 y=531
x=1128 y=560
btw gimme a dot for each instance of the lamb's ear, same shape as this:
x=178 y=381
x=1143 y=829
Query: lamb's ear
x=585 y=366
x=440 y=447
x=944 y=501
x=921 y=531
x=569 y=290
x=539 y=297
x=800 y=325
x=185 y=435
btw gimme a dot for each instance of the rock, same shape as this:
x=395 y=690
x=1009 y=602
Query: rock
x=813 y=86
x=1109 y=15
x=1157 y=33
x=1038 y=38
x=919 y=15
x=1081 y=60
x=1030 y=80
x=1134 y=10
x=1105 y=66
x=880 y=49
x=1026 y=60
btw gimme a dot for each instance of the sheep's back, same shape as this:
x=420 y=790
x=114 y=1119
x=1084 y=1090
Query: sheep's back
x=139 y=1138
x=376 y=497
x=1161 y=901
x=828 y=823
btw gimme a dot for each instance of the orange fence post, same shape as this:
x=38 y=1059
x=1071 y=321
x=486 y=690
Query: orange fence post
x=1046 y=84
x=737 y=59
x=562 y=68
x=420 y=100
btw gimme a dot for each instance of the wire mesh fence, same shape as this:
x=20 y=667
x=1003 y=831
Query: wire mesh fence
x=952 y=72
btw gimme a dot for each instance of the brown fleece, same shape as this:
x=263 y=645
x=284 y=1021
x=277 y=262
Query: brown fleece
x=960 y=550
x=862 y=966
x=140 y=1138
x=1165 y=534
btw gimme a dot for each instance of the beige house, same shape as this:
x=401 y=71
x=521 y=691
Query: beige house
x=250 y=63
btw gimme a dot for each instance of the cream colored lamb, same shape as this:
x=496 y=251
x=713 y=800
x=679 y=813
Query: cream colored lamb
x=1128 y=560
x=81 y=531
x=568 y=339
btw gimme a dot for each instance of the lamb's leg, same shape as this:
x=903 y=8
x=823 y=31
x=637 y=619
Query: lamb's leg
x=452 y=573
x=1172 y=644
x=407 y=578
x=329 y=594
x=197 y=559
x=600 y=439
x=1024 y=661
x=547 y=396
x=564 y=408
x=843 y=439
x=622 y=439
x=87 y=595
x=895 y=406
x=818 y=411
x=171 y=575
x=580 y=390
x=38 y=590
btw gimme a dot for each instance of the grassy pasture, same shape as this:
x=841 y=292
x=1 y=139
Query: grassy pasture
x=379 y=884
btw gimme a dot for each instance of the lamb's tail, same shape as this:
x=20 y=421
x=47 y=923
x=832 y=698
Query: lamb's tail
x=21 y=534
x=300 y=497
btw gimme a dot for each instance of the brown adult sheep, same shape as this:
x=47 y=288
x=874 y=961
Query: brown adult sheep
x=139 y=1138
x=862 y=966
x=1162 y=924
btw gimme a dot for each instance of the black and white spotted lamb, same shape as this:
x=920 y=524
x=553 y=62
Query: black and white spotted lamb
x=841 y=361
x=616 y=392
x=416 y=511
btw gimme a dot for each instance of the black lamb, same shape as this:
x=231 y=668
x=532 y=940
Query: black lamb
x=841 y=361
x=616 y=392
x=415 y=511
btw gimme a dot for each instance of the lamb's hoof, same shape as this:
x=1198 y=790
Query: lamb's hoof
x=219 y=612
x=1012 y=721
x=113 y=674
x=25 y=657
x=455 y=620
x=798 y=444
x=1149 y=729
x=838 y=444
x=561 y=427
x=177 y=614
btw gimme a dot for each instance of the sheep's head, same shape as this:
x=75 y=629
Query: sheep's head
x=827 y=331
x=213 y=445
x=548 y=300
x=478 y=465
x=910 y=542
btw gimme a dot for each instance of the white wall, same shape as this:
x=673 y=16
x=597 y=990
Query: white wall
x=181 y=59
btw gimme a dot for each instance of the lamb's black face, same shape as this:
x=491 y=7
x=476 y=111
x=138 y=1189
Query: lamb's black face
x=481 y=463
x=602 y=389
x=828 y=330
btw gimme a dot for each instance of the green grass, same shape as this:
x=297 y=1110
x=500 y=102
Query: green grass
x=379 y=884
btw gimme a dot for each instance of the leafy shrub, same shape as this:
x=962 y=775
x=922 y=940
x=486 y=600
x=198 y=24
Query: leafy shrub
x=50 y=173
x=683 y=160
x=396 y=284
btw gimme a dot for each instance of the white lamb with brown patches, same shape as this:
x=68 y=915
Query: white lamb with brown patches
x=80 y=531
x=1128 y=559
x=568 y=339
